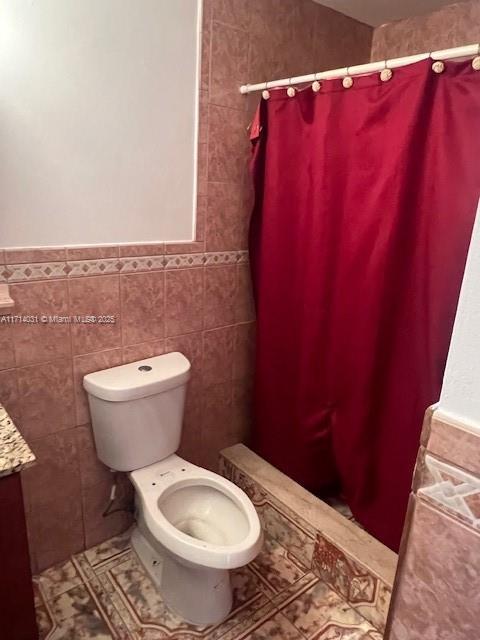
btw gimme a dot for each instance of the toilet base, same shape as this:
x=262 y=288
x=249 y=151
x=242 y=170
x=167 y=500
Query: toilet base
x=199 y=595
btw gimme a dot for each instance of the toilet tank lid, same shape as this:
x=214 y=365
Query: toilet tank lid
x=139 y=379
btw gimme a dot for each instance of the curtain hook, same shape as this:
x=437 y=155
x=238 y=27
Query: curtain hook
x=386 y=73
x=476 y=60
x=316 y=85
x=266 y=92
x=437 y=65
x=290 y=90
x=347 y=82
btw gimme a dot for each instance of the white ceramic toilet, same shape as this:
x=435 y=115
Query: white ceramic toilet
x=192 y=525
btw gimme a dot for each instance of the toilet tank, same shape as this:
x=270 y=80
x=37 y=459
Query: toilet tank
x=137 y=410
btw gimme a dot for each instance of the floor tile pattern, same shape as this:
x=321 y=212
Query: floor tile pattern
x=105 y=594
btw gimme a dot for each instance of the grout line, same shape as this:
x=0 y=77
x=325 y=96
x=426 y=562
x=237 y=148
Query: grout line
x=256 y=571
x=86 y=582
x=164 y=315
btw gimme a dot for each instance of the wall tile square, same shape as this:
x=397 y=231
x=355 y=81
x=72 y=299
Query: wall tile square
x=244 y=306
x=236 y=13
x=184 y=301
x=197 y=246
x=242 y=411
x=228 y=145
x=95 y=499
x=135 y=352
x=228 y=216
x=143 y=301
x=56 y=471
x=201 y=215
x=92 y=253
x=202 y=170
x=136 y=250
x=41 y=342
x=52 y=494
x=7 y=349
x=203 y=117
x=229 y=66
x=220 y=289
x=244 y=351
x=96 y=296
x=15 y=256
x=216 y=415
x=441 y=564
x=205 y=47
x=48 y=403
x=218 y=355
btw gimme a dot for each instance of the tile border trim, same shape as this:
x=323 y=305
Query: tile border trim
x=37 y=271
x=451 y=490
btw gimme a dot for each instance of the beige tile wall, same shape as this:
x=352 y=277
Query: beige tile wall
x=436 y=592
x=451 y=26
x=162 y=299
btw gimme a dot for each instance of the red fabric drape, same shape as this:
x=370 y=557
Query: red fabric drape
x=365 y=201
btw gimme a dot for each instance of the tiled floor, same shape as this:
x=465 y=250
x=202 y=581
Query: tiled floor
x=104 y=593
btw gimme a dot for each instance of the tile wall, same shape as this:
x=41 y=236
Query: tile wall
x=437 y=587
x=193 y=297
x=451 y=26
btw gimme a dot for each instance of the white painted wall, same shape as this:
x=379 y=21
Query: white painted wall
x=98 y=112
x=460 y=397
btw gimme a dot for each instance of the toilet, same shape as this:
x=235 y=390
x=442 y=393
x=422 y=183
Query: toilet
x=193 y=525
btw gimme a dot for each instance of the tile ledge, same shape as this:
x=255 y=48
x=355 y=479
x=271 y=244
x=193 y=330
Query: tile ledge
x=455 y=420
x=355 y=542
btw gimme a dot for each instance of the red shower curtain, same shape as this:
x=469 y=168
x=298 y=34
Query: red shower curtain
x=365 y=201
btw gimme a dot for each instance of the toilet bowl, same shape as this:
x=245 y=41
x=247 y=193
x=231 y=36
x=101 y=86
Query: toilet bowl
x=193 y=525
x=198 y=526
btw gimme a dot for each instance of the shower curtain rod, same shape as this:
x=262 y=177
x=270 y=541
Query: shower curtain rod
x=362 y=69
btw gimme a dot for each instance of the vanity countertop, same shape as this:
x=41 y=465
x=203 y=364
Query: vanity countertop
x=15 y=454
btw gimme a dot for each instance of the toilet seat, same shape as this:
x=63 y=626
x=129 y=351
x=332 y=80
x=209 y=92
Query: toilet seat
x=198 y=515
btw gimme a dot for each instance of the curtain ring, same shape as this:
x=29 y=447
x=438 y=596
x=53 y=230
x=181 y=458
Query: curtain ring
x=290 y=90
x=266 y=92
x=476 y=60
x=316 y=85
x=438 y=66
x=347 y=82
x=386 y=73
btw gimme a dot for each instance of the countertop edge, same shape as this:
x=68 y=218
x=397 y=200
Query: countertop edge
x=15 y=454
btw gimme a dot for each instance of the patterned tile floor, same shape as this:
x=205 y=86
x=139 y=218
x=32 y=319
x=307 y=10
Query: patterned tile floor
x=105 y=594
